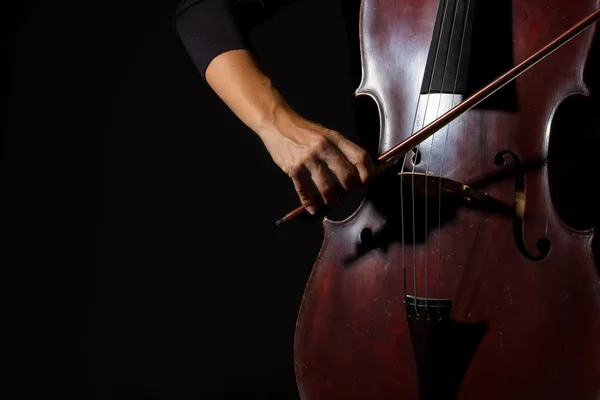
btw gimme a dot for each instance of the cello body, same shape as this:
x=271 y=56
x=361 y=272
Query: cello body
x=457 y=277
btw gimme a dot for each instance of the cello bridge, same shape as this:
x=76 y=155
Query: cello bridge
x=427 y=309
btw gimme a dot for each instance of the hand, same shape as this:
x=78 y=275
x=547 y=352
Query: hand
x=310 y=153
x=307 y=152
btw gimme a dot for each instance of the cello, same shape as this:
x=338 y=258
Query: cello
x=456 y=276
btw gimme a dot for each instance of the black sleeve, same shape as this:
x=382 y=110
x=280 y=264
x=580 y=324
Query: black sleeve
x=208 y=28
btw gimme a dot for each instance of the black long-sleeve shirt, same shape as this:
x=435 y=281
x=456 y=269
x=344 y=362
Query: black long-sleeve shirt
x=208 y=28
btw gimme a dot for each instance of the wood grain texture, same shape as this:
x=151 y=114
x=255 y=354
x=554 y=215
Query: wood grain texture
x=518 y=329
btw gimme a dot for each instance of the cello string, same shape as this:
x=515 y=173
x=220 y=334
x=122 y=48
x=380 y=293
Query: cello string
x=414 y=231
x=462 y=40
x=402 y=218
x=437 y=114
x=414 y=124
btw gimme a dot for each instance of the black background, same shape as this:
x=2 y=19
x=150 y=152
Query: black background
x=142 y=260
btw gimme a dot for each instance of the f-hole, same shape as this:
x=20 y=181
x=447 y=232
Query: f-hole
x=543 y=244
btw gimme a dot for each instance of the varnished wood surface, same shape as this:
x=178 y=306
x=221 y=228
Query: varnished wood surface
x=518 y=329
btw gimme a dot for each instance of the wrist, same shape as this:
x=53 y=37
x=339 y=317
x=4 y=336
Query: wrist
x=274 y=118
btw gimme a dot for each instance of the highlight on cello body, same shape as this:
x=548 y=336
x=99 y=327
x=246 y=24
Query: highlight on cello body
x=456 y=277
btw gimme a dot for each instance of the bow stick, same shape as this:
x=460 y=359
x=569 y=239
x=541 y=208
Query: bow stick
x=388 y=158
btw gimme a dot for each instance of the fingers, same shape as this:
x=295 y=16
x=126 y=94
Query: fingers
x=335 y=160
x=302 y=183
x=305 y=175
x=333 y=163
x=323 y=181
x=356 y=155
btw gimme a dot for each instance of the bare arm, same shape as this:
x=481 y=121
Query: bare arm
x=215 y=34
x=304 y=150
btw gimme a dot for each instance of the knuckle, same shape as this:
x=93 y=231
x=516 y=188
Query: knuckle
x=319 y=144
x=328 y=190
x=303 y=195
x=348 y=176
x=335 y=133
x=337 y=138
x=363 y=157
x=293 y=170
x=305 y=159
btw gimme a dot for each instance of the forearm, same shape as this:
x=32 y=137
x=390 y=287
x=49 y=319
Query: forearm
x=215 y=35
x=238 y=80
